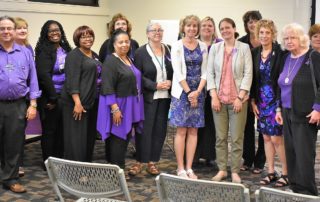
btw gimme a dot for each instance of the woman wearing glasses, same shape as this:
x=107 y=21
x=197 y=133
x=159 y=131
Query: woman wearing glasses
x=51 y=50
x=153 y=60
x=80 y=97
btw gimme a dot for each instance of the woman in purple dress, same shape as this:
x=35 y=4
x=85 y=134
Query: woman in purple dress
x=121 y=102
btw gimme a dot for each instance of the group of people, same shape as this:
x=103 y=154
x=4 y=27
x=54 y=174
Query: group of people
x=218 y=86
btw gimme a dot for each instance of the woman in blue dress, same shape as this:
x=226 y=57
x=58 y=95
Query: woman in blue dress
x=189 y=59
x=264 y=102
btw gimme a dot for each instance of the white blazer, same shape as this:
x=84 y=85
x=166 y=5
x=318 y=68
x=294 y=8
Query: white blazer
x=179 y=66
x=241 y=66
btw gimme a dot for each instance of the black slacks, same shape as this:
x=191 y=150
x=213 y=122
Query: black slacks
x=52 y=131
x=149 y=144
x=116 y=149
x=206 y=145
x=12 y=135
x=300 y=146
x=79 y=135
x=250 y=156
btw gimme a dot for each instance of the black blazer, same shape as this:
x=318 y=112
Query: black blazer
x=45 y=61
x=303 y=97
x=276 y=56
x=143 y=61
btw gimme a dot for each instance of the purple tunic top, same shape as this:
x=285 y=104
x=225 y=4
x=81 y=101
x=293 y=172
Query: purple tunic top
x=18 y=77
x=290 y=73
x=131 y=108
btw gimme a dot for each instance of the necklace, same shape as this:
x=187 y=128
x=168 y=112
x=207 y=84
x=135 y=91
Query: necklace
x=290 y=69
x=160 y=63
x=133 y=71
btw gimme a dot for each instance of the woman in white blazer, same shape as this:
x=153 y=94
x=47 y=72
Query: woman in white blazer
x=189 y=60
x=229 y=80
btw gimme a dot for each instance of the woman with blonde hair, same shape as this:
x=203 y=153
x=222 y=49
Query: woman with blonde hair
x=264 y=101
x=189 y=60
x=206 y=135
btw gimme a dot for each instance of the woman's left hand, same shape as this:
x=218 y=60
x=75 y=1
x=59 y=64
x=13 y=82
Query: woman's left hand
x=237 y=105
x=314 y=117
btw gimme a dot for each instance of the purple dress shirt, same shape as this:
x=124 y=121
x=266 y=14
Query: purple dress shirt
x=18 y=77
x=131 y=108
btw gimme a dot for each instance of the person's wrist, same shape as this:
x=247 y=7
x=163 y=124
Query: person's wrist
x=240 y=98
x=33 y=105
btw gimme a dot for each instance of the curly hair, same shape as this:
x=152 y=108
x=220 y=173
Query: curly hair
x=113 y=21
x=298 y=32
x=269 y=24
x=45 y=44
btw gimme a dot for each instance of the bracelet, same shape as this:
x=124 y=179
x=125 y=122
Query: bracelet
x=34 y=105
x=241 y=99
x=113 y=111
x=278 y=109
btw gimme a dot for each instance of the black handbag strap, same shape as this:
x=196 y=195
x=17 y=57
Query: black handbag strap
x=312 y=74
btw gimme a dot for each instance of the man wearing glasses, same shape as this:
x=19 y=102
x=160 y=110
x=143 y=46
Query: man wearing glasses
x=18 y=83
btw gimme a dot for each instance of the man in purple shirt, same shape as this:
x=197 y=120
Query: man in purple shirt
x=18 y=83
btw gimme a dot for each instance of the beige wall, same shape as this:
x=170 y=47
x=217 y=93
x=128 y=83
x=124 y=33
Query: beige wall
x=140 y=12
x=68 y=15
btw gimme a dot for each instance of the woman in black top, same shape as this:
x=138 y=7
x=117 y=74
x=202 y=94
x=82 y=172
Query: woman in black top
x=80 y=95
x=118 y=21
x=153 y=60
x=51 y=50
x=250 y=157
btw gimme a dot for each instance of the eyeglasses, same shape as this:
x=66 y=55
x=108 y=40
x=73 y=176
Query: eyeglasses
x=51 y=31
x=2 y=29
x=86 y=37
x=156 y=30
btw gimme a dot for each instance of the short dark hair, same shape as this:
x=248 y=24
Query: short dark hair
x=5 y=17
x=80 y=31
x=114 y=37
x=250 y=15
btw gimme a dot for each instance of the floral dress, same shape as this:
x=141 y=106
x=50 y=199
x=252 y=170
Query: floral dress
x=268 y=103
x=182 y=114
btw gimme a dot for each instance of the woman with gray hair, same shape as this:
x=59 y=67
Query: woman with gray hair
x=153 y=60
x=299 y=107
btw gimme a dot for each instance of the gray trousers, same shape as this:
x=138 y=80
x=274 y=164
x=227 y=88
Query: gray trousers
x=224 y=120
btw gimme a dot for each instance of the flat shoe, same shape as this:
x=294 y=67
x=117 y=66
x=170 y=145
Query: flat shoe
x=152 y=169
x=237 y=179
x=219 y=178
x=16 y=188
x=191 y=174
x=257 y=171
x=182 y=173
x=135 y=169
x=244 y=168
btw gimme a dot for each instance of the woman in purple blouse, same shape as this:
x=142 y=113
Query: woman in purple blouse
x=51 y=50
x=121 y=101
x=299 y=109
